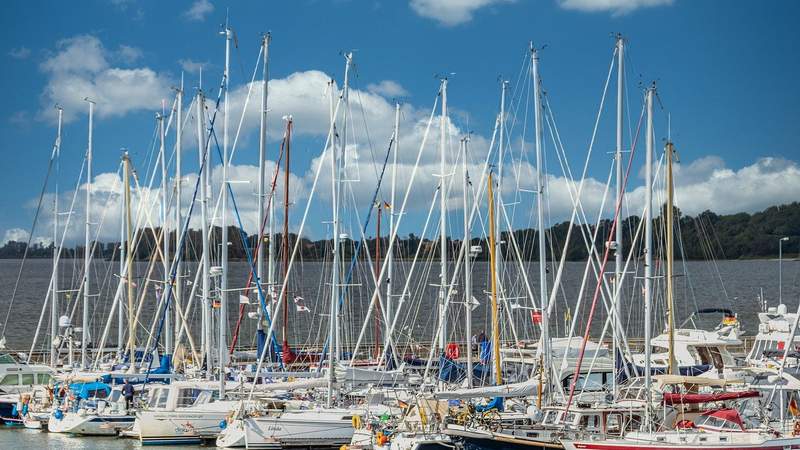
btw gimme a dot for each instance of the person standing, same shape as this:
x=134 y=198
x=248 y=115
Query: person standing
x=127 y=391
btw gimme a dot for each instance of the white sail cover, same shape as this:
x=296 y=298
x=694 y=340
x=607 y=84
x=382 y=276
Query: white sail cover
x=521 y=389
x=306 y=383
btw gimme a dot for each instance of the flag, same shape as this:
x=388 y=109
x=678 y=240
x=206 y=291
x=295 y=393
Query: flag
x=386 y=205
x=244 y=300
x=536 y=317
x=793 y=408
x=302 y=308
x=298 y=299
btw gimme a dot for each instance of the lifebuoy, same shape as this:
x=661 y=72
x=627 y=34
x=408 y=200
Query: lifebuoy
x=356 y=422
x=452 y=351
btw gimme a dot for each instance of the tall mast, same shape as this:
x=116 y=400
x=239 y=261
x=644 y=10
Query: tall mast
x=648 y=249
x=443 y=218
x=498 y=374
x=333 y=329
x=178 y=291
x=206 y=260
x=390 y=249
x=164 y=228
x=377 y=275
x=619 y=190
x=129 y=277
x=545 y=345
x=87 y=252
x=467 y=241
x=288 y=145
x=498 y=204
x=262 y=174
x=123 y=258
x=669 y=255
x=56 y=250
x=223 y=307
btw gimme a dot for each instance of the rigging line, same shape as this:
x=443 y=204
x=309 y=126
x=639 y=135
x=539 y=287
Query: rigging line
x=30 y=238
x=259 y=241
x=354 y=259
x=614 y=224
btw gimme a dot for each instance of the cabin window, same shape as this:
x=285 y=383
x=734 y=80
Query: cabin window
x=43 y=378
x=591 y=382
x=187 y=397
x=159 y=399
x=5 y=358
x=27 y=379
x=10 y=380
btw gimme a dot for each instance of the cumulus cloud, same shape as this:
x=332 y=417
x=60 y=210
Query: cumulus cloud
x=15 y=234
x=190 y=66
x=80 y=68
x=20 y=53
x=199 y=10
x=451 y=12
x=616 y=7
x=129 y=54
x=387 y=88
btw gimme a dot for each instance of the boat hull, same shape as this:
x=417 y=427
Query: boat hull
x=306 y=429
x=89 y=425
x=169 y=427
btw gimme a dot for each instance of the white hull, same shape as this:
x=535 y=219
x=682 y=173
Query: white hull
x=690 y=440
x=324 y=428
x=89 y=424
x=184 y=426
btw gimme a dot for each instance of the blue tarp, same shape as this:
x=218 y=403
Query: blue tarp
x=496 y=403
x=90 y=390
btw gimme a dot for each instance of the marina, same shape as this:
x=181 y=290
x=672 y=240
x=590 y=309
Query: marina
x=334 y=267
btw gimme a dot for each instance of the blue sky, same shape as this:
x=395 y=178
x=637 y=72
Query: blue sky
x=726 y=73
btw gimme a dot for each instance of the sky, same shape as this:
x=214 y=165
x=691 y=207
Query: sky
x=725 y=73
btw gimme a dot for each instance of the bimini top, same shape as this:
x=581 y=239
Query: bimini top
x=721 y=420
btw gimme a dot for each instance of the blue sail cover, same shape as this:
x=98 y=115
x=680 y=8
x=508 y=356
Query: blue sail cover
x=455 y=372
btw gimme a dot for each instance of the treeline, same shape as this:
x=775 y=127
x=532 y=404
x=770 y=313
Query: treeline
x=705 y=236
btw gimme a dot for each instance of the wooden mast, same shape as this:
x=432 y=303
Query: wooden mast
x=670 y=150
x=498 y=376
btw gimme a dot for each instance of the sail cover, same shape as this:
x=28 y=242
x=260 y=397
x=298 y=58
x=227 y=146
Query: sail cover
x=693 y=399
x=521 y=389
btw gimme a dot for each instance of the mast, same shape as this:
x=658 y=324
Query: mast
x=443 y=218
x=619 y=190
x=262 y=179
x=129 y=277
x=648 y=250
x=673 y=369
x=56 y=250
x=377 y=275
x=545 y=345
x=498 y=204
x=164 y=229
x=467 y=240
x=87 y=251
x=178 y=291
x=498 y=375
x=123 y=257
x=390 y=249
x=333 y=329
x=223 y=307
x=286 y=230
x=204 y=194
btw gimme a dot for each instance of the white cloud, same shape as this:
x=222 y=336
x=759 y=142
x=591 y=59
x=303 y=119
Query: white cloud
x=616 y=7
x=20 y=53
x=199 y=10
x=80 y=68
x=15 y=234
x=451 y=12
x=387 y=88
x=129 y=54
x=190 y=66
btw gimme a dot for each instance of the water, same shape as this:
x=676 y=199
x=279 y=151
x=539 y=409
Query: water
x=731 y=284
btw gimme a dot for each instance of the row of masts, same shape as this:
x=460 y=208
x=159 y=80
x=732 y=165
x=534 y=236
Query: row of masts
x=266 y=265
